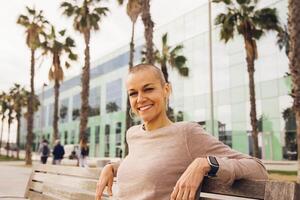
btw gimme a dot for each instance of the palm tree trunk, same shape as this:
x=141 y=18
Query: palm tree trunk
x=30 y=119
x=7 y=143
x=131 y=58
x=2 y=123
x=165 y=71
x=85 y=81
x=18 y=117
x=148 y=24
x=131 y=53
x=55 y=113
x=294 y=31
x=251 y=70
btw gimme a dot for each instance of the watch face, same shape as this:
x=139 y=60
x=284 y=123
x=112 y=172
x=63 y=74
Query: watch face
x=213 y=161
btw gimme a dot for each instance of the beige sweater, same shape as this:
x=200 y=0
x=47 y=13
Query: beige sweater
x=158 y=158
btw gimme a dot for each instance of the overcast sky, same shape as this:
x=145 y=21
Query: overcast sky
x=114 y=33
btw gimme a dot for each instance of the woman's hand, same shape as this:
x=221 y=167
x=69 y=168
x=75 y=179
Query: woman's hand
x=106 y=179
x=187 y=185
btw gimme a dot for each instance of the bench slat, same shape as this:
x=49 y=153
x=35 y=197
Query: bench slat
x=34 y=195
x=36 y=186
x=281 y=190
x=92 y=173
x=66 y=192
x=240 y=188
x=75 y=182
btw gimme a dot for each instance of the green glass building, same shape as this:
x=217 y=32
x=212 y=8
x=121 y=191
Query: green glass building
x=191 y=95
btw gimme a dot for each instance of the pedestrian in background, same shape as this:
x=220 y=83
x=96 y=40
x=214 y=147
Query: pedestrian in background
x=84 y=153
x=44 y=151
x=58 y=153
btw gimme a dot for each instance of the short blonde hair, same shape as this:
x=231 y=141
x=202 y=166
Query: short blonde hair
x=141 y=67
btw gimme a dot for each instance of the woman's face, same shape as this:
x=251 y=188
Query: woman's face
x=147 y=96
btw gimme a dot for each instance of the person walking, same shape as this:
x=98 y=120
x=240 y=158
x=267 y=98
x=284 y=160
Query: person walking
x=58 y=153
x=44 y=151
x=84 y=152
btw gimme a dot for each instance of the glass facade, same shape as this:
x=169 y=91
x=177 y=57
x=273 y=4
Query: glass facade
x=63 y=111
x=94 y=101
x=76 y=107
x=114 y=96
x=190 y=99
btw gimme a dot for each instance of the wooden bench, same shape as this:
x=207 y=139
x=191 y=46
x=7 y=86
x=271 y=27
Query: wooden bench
x=245 y=189
x=57 y=182
x=49 y=182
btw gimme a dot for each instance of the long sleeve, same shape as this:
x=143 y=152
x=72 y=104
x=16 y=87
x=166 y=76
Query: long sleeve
x=232 y=164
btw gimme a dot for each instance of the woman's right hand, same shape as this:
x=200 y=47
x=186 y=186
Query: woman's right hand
x=106 y=179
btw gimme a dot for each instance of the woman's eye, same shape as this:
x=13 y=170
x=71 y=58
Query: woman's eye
x=132 y=94
x=149 y=89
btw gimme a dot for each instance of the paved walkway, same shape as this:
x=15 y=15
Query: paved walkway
x=13 y=178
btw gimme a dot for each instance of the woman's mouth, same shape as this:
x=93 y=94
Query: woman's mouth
x=146 y=107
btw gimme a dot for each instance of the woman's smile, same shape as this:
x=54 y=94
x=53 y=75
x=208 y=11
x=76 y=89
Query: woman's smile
x=145 y=107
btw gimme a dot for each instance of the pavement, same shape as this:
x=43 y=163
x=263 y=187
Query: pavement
x=13 y=178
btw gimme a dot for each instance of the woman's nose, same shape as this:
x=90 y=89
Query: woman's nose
x=140 y=97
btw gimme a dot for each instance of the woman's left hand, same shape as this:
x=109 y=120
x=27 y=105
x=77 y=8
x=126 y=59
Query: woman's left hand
x=187 y=185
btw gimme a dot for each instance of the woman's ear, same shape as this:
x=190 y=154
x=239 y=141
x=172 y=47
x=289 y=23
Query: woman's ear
x=168 y=89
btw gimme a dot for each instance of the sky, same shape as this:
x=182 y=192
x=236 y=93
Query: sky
x=115 y=31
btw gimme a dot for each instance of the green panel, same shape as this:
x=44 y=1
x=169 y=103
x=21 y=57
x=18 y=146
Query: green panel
x=284 y=85
x=277 y=150
x=240 y=141
x=271 y=125
x=239 y=137
x=270 y=107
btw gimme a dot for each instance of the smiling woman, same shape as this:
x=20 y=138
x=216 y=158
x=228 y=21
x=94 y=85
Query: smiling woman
x=169 y=160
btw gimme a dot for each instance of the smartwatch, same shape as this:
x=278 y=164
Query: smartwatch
x=214 y=166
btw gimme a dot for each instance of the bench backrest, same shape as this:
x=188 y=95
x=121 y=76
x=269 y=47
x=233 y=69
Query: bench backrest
x=74 y=183
x=62 y=182
x=267 y=190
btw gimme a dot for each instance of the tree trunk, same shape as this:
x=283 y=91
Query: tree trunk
x=18 y=117
x=55 y=113
x=30 y=118
x=2 y=123
x=148 y=24
x=128 y=118
x=250 y=66
x=85 y=81
x=294 y=31
x=165 y=71
x=7 y=143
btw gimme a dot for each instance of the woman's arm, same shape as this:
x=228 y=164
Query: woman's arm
x=232 y=164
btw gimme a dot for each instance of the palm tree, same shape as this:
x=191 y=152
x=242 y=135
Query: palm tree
x=4 y=107
x=244 y=18
x=34 y=23
x=10 y=119
x=58 y=45
x=134 y=9
x=86 y=17
x=169 y=56
x=18 y=94
x=294 y=51
x=148 y=24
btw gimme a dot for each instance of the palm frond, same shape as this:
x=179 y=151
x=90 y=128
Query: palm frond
x=266 y=18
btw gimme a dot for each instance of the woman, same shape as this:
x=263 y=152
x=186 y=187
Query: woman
x=169 y=160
